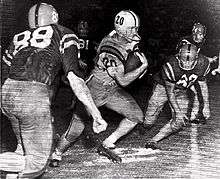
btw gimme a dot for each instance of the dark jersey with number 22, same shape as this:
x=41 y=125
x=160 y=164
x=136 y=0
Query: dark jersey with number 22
x=184 y=79
x=40 y=54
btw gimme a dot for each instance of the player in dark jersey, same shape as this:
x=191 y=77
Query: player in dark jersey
x=197 y=38
x=109 y=75
x=173 y=83
x=87 y=45
x=36 y=56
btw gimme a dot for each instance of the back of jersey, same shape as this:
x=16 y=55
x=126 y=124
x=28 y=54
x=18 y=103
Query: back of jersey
x=37 y=54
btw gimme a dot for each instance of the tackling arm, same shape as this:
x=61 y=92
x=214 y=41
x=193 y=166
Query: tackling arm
x=82 y=92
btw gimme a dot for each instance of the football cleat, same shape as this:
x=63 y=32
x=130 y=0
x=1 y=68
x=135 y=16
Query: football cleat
x=55 y=159
x=103 y=151
x=151 y=144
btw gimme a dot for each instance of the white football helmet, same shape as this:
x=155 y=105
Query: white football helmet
x=126 y=24
x=199 y=32
x=42 y=14
x=188 y=56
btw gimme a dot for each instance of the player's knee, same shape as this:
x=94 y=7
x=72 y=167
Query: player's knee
x=75 y=130
x=136 y=116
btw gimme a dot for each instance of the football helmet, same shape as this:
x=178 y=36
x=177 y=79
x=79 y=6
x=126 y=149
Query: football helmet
x=188 y=55
x=199 y=32
x=42 y=14
x=126 y=24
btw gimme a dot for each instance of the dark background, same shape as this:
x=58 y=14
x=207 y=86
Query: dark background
x=163 y=22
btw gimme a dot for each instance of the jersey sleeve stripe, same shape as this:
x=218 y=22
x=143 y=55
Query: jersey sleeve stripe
x=166 y=72
x=113 y=51
x=67 y=41
x=207 y=70
x=8 y=54
x=6 y=61
x=170 y=69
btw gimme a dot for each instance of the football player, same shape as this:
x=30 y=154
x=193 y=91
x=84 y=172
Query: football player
x=36 y=56
x=173 y=82
x=197 y=38
x=108 y=77
x=87 y=46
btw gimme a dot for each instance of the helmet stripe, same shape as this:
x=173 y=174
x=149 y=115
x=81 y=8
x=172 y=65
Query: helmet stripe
x=134 y=16
x=189 y=48
x=36 y=14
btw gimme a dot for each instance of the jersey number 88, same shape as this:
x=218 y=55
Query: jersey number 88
x=40 y=38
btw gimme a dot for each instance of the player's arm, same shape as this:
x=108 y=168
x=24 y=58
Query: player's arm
x=204 y=91
x=217 y=70
x=80 y=89
x=172 y=97
x=205 y=95
x=168 y=78
x=74 y=74
x=124 y=79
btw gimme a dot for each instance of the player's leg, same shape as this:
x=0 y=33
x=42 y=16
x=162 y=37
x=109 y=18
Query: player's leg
x=123 y=103
x=71 y=135
x=174 y=125
x=36 y=129
x=155 y=105
x=35 y=124
x=16 y=130
x=76 y=125
x=11 y=161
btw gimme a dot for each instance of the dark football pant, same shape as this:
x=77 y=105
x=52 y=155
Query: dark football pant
x=27 y=106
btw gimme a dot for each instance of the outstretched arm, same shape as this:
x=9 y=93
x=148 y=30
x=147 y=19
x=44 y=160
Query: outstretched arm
x=80 y=89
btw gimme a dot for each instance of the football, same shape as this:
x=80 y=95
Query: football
x=132 y=62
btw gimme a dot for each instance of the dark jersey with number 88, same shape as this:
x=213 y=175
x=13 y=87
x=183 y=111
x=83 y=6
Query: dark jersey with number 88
x=40 y=54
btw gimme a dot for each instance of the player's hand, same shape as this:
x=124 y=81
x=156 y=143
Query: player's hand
x=181 y=117
x=99 y=125
x=206 y=112
x=179 y=121
x=212 y=59
x=193 y=116
x=215 y=71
